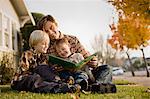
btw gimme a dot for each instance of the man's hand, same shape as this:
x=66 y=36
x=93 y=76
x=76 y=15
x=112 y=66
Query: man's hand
x=93 y=62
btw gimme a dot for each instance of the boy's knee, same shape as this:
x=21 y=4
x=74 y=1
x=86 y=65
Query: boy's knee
x=102 y=68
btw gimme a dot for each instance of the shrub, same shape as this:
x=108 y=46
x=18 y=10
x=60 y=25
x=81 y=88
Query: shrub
x=6 y=70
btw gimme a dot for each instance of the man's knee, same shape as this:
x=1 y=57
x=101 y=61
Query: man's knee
x=104 y=67
x=103 y=74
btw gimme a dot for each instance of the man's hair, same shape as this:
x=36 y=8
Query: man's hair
x=61 y=41
x=41 y=23
x=37 y=36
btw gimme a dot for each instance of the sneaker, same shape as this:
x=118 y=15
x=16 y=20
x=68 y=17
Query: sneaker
x=75 y=88
x=84 y=84
x=86 y=92
x=103 y=88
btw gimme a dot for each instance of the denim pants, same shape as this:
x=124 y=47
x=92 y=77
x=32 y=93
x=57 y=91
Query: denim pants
x=103 y=74
x=42 y=80
x=34 y=83
x=78 y=75
x=47 y=73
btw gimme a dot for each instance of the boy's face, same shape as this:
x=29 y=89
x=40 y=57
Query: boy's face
x=63 y=50
x=42 y=46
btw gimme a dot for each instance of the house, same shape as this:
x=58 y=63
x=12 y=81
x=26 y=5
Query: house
x=13 y=15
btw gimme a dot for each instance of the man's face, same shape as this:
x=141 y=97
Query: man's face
x=51 y=29
x=63 y=50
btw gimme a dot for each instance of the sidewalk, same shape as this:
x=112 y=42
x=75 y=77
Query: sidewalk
x=140 y=78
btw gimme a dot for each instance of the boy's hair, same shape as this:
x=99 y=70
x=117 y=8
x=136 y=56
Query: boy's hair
x=41 y=23
x=61 y=41
x=37 y=36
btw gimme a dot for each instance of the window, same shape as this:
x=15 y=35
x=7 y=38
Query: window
x=0 y=29
x=6 y=27
x=6 y=40
x=13 y=35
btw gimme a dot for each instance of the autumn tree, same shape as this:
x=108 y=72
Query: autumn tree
x=105 y=51
x=121 y=42
x=133 y=29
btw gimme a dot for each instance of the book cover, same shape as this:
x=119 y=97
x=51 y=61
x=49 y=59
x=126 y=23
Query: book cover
x=68 y=64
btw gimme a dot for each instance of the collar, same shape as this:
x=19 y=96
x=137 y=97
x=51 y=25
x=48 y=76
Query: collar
x=61 y=35
x=70 y=55
x=34 y=52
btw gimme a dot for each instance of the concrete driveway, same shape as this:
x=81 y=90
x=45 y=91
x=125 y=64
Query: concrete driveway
x=140 y=78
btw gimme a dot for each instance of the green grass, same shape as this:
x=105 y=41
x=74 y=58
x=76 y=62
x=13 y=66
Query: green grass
x=123 y=92
x=123 y=82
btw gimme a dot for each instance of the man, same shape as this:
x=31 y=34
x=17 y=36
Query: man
x=49 y=25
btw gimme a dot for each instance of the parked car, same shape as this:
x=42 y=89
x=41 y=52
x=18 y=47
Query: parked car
x=117 y=71
x=148 y=67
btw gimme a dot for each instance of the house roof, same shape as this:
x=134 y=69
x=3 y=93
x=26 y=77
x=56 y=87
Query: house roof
x=22 y=10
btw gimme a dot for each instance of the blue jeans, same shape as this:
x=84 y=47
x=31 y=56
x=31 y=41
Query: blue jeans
x=47 y=73
x=78 y=76
x=103 y=74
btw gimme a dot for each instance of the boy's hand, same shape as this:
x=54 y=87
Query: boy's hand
x=57 y=68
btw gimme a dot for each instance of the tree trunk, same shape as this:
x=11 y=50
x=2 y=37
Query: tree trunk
x=145 y=63
x=131 y=68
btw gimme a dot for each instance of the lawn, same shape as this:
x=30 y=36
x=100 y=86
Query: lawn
x=123 y=92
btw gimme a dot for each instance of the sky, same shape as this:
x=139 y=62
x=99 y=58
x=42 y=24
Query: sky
x=82 y=18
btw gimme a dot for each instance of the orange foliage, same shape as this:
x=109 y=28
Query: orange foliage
x=133 y=29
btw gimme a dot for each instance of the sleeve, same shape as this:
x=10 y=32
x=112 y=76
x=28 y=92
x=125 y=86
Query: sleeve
x=24 y=63
x=22 y=67
x=76 y=57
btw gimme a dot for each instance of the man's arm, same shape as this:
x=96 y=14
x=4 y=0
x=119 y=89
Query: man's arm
x=75 y=43
x=24 y=63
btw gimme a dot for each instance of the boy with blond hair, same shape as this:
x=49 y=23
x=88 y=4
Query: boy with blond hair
x=38 y=42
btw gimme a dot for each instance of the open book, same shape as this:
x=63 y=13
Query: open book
x=68 y=64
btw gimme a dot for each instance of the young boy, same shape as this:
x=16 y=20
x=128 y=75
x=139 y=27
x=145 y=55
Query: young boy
x=38 y=43
x=63 y=50
x=34 y=74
